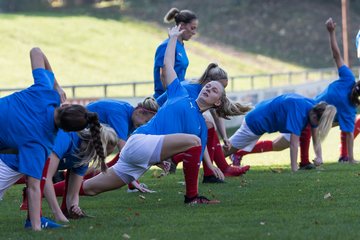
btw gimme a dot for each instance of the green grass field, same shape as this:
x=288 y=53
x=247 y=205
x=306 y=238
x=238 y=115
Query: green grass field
x=260 y=205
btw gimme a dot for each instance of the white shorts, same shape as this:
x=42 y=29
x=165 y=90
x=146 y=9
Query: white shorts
x=8 y=177
x=286 y=136
x=244 y=138
x=139 y=153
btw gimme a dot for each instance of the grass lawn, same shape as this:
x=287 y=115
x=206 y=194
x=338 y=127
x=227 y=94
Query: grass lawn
x=260 y=205
x=89 y=50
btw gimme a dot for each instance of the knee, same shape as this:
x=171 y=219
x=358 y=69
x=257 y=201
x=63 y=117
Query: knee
x=195 y=141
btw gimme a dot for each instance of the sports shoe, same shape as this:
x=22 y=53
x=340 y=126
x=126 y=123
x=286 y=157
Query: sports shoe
x=212 y=179
x=24 y=204
x=233 y=171
x=173 y=167
x=236 y=159
x=199 y=200
x=343 y=159
x=45 y=223
x=132 y=189
x=308 y=166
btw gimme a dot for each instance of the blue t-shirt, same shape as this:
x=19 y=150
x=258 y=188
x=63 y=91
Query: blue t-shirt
x=179 y=114
x=65 y=147
x=286 y=113
x=338 y=94
x=181 y=64
x=27 y=124
x=116 y=114
x=193 y=90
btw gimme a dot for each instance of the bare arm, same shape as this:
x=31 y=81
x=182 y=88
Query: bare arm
x=217 y=172
x=317 y=148
x=220 y=125
x=331 y=25
x=350 y=146
x=169 y=58
x=49 y=190
x=294 y=145
x=39 y=60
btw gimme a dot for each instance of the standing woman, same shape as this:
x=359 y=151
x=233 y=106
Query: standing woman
x=188 y=23
x=30 y=120
x=73 y=151
x=290 y=114
x=177 y=127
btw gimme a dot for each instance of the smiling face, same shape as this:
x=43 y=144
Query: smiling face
x=190 y=29
x=211 y=93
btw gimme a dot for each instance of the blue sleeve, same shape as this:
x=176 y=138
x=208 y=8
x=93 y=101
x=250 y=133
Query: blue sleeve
x=175 y=89
x=162 y=99
x=63 y=144
x=43 y=78
x=347 y=120
x=159 y=56
x=80 y=170
x=346 y=74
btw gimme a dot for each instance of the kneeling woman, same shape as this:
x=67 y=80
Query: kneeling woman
x=288 y=113
x=177 y=127
x=73 y=151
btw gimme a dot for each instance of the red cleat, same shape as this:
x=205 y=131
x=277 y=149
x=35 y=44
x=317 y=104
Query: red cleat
x=233 y=171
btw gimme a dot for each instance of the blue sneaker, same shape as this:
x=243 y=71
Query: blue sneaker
x=45 y=223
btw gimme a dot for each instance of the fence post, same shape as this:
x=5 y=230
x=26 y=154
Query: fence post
x=252 y=82
x=270 y=80
x=73 y=91
x=105 y=90
x=232 y=84
x=134 y=89
x=290 y=78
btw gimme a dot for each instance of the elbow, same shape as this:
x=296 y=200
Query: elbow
x=35 y=51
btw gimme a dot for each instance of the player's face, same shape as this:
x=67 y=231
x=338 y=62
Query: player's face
x=190 y=29
x=211 y=93
x=140 y=117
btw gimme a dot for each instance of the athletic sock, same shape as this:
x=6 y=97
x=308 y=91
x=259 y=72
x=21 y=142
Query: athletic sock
x=191 y=164
x=211 y=150
x=219 y=157
x=343 y=145
x=305 y=145
x=260 y=146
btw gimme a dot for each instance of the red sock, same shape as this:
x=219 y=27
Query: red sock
x=177 y=158
x=63 y=204
x=260 y=146
x=22 y=180
x=211 y=149
x=305 y=145
x=343 y=145
x=191 y=165
x=81 y=191
x=357 y=127
x=219 y=157
x=59 y=188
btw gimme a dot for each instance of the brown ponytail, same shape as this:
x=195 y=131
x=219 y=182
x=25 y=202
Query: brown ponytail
x=212 y=73
x=185 y=16
x=355 y=93
x=95 y=127
x=228 y=108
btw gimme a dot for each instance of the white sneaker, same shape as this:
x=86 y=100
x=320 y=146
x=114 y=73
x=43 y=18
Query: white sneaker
x=135 y=189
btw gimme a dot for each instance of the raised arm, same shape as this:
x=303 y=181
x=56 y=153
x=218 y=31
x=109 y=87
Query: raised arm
x=330 y=26
x=39 y=60
x=169 y=58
